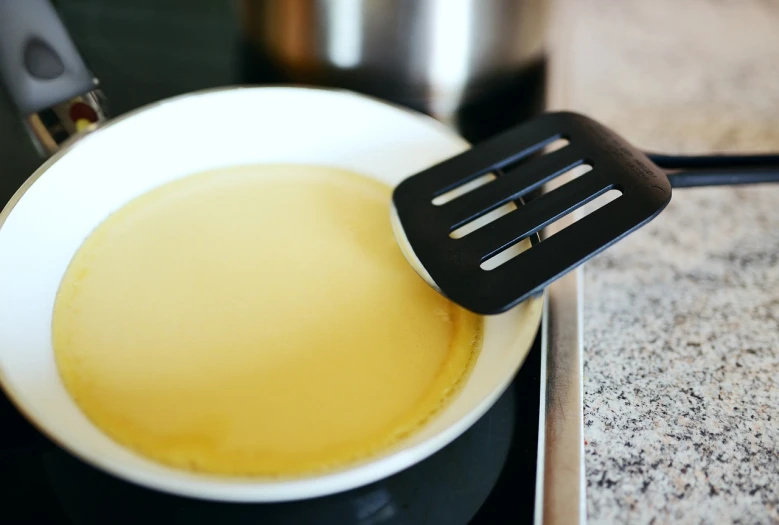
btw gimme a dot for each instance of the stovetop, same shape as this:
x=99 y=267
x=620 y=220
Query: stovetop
x=153 y=49
x=484 y=477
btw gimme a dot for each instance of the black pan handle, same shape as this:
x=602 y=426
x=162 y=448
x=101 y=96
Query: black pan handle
x=718 y=170
x=39 y=64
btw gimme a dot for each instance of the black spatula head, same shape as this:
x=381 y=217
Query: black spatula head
x=426 y=227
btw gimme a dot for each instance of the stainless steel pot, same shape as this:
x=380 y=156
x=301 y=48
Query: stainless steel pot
x=432 y=55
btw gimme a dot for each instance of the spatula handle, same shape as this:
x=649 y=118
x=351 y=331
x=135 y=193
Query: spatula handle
x=718 y=170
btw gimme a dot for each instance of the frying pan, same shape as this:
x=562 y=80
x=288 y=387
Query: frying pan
x=98 y=165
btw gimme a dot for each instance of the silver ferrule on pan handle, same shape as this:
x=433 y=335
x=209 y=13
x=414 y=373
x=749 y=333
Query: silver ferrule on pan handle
x=49 y=128
x=45 y=77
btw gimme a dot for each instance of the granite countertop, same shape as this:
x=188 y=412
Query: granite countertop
x=681 y=319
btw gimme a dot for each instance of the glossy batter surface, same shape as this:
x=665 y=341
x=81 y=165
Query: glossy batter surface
x=257 y=320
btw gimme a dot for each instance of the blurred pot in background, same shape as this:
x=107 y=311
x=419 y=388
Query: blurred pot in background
x=438 y=56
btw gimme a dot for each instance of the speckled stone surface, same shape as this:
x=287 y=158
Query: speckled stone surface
x=681 y=320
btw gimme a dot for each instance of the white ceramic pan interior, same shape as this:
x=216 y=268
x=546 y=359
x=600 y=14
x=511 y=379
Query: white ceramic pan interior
x=46 y=221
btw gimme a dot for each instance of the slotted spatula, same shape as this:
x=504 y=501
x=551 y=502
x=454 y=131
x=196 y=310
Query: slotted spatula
x=424 y=222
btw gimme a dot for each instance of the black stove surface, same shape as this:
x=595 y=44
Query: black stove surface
x=486 y=476
x=147 y=50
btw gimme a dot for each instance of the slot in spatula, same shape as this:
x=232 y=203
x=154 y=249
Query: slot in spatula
x=455 y=264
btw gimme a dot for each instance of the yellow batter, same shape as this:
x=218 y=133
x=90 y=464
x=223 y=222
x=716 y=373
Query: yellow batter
x=257 y=320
